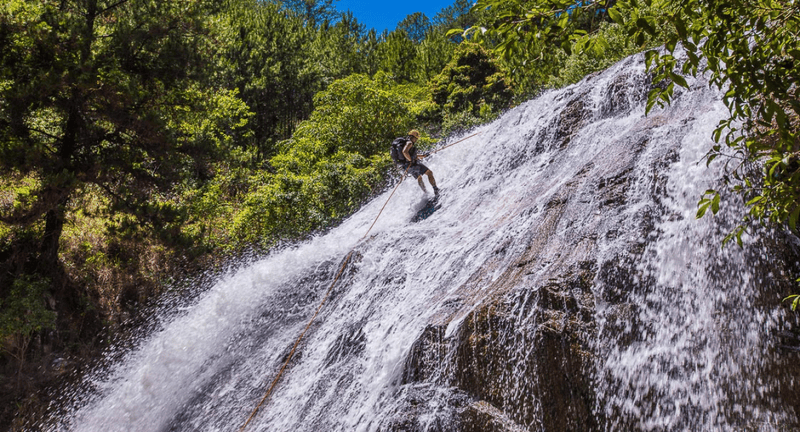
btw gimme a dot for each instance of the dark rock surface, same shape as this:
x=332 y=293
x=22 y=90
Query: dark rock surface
x=525 y=349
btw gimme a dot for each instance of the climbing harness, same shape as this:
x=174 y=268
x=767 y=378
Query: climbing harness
x=327 y=294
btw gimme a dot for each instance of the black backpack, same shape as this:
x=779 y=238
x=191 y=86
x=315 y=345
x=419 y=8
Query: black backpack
x=397 y=149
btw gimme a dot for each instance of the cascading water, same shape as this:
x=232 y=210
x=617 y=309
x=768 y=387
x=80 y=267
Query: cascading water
x=563 y=285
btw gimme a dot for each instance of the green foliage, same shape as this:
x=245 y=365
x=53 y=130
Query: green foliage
x=532 y=36
x=433 y=53
x=471 y=82
x=464 y=120
x=260 y=56
x=751 y=50
x=416 y=26
x=212 y=204
x=705 y=203
x=23 y=312
x=334 y=160
x=313 y=11
x=112 y=94
x=398 y=56
x=795 y=299
x=457 y=15
x=336 y=49
x=573 y=67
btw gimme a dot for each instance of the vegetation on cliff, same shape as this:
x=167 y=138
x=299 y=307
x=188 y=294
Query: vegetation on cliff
x=750 y=48
x=143 y=140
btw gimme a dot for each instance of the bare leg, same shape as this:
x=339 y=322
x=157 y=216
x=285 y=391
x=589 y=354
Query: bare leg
x=433 y=182
x=431 y=179
x=421 y=184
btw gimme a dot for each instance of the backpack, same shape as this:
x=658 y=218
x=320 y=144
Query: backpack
x=397 y=149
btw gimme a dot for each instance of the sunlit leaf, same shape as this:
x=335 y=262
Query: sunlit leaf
x=678 y=79
x=793 y=218
x=701 y=210
x=614 y=14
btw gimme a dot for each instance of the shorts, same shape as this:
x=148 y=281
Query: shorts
x=415 y=170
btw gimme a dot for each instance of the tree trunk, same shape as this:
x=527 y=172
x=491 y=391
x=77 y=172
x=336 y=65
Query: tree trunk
x=48 y=251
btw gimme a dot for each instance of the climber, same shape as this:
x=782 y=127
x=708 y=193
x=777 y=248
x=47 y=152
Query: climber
x=405 y=155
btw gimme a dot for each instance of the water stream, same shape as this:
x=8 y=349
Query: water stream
x=576 y=192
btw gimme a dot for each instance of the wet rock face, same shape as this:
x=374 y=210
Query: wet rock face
x=415 y=403
x=537 y=374
x=565 y=285
x=484 y=417
x=426 y=355
x=574 y=116
x=624 y=91
x=522 y=362
x=584 y=285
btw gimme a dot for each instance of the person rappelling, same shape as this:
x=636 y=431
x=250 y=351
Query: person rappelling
x=404 y=153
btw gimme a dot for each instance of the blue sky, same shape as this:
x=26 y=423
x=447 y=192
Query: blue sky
x=385 y=14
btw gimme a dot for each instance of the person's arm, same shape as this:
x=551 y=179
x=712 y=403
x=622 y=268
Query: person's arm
x=407 y=149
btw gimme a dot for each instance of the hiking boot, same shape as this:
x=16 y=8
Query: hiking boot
x=435 y=191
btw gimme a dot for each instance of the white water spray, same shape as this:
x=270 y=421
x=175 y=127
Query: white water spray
x=578 y=175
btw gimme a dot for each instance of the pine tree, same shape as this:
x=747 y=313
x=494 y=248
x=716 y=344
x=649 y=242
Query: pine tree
x=110 y=94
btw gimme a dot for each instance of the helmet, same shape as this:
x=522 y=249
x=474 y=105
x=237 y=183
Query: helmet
x=414 y=133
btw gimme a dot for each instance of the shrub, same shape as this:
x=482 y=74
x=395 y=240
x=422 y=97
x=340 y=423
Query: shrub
x=469 y=82
x=23 y=313
x=335 y=160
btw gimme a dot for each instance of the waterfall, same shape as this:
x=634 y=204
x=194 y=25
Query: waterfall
x=563 y=285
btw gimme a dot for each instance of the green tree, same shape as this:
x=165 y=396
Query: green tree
x=398 y=57
x=416 y=26
x=458 y=15
x=112 y=94
x=471 y=82
x=315 y=12
x=336 y=49
x=371 y=50
x=265 y=57
x=433 y=54
x=335 y=159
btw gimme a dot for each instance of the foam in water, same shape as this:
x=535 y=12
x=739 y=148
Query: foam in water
x=682 y=362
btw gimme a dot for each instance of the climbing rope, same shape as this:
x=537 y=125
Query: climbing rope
x=294 y=348
x=327 y=294
x=450 y=145
x=324 y=299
